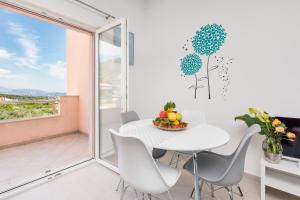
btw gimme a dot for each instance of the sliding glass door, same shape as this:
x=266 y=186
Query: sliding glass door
x=111 y=85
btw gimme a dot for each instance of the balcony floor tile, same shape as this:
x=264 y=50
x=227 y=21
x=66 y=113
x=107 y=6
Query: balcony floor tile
x=33 y=159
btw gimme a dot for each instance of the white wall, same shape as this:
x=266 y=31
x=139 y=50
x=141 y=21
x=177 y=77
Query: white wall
x=263 y=38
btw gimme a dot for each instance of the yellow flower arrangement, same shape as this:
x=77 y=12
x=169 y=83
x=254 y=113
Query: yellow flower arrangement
x=272 y=128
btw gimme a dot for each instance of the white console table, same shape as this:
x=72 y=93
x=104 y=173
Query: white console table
x=284 y=176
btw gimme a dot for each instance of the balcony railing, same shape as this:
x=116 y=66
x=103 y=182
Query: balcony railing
x=19 y=131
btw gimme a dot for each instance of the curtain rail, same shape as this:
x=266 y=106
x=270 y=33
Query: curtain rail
x=43 y=15
x=107 y=15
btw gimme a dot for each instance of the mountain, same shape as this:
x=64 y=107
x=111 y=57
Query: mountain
x=30 y=92
x=4 y=90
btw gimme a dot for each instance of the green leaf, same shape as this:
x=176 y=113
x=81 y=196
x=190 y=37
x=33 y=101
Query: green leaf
x=157 y=119
x=169 y=104
x=247 y=119
x=173 y=105
x=166 y=107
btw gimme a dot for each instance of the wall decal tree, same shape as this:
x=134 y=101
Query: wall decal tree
x=190 y=65
x=206 y=42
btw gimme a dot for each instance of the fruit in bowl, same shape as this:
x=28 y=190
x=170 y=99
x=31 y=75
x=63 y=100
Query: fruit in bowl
x=169 y=118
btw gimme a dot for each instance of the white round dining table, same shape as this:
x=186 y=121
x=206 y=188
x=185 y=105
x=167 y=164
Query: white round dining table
x=195 y=138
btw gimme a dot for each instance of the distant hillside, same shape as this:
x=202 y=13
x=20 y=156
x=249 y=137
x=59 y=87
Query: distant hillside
x=25 y=97
x=30 y=92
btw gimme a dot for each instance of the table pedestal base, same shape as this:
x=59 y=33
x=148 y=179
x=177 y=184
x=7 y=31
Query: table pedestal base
x=196 y=179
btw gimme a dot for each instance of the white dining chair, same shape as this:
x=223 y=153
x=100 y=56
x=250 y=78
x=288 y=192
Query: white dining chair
x=139 y=170
x=130 y=116
x=127 y=117
x=192 y=117
x=224 y=170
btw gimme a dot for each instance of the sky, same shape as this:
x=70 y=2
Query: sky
x=32 y=53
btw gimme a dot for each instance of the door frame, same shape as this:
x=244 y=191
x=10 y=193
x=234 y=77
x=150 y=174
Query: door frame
x=67 y=23
x=124 y=81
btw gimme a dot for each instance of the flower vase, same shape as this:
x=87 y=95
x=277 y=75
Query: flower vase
x=272 y=155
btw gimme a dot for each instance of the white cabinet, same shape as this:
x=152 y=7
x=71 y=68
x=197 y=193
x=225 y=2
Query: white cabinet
x=284 y=176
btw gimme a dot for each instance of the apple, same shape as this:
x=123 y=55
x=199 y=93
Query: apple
x=163 y=114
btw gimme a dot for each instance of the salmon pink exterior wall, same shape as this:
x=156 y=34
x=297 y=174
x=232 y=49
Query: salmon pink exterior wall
x=20 y=131
x=78 y=64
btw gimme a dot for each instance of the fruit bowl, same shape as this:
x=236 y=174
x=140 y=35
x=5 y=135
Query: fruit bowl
x=183 y=126
x=169 y=119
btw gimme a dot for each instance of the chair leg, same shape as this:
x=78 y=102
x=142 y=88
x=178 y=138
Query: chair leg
x=201 y=185
x=212 y=189
x=200 y=188
x=171 y=161
x=119 y=184
x=123 y=190
x=136 y=194
x=191 y=196
x=170 y=196
x=143 y=196
x=178 y=156
x=240 y=190
x=230 y=192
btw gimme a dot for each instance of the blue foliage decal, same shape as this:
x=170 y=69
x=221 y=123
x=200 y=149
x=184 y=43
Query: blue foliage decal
x=206 y=42
x=191 y=64
x=209 y=39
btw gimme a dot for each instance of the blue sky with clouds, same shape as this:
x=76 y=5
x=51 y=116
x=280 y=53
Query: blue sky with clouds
x=32 y=53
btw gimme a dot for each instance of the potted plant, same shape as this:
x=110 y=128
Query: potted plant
x=273 y=130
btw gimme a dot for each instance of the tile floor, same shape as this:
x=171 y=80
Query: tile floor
x=96 y=182
x=27 y=161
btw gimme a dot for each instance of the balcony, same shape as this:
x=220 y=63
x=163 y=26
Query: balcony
x=31 y=147
x=35 y=146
